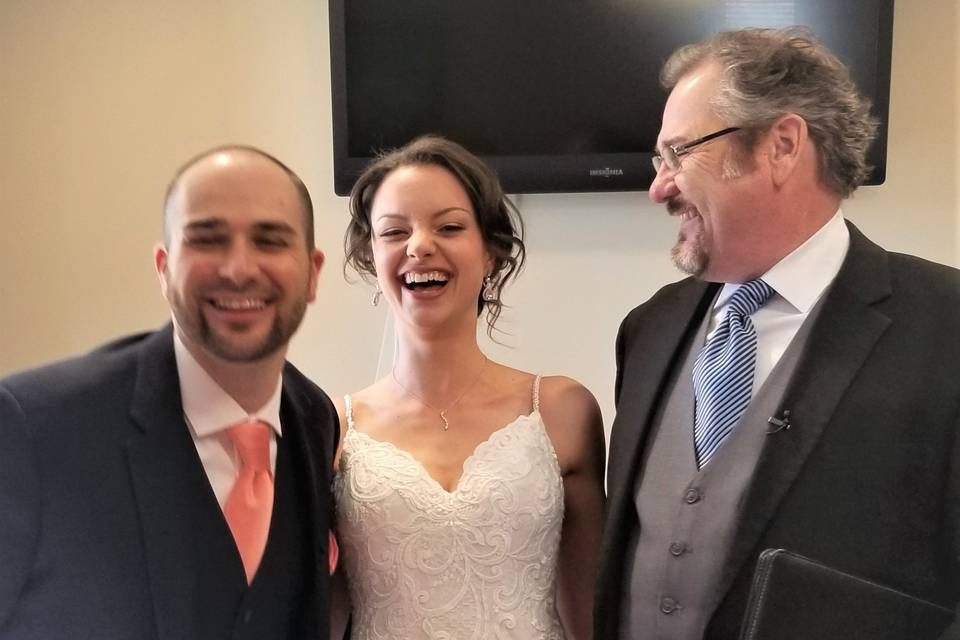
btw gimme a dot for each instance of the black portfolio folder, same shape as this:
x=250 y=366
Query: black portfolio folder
x=795 y=598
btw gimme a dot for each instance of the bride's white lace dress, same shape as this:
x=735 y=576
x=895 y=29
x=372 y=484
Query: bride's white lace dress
x=476 y=562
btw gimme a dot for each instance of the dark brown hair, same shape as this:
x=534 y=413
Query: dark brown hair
x=498 y=219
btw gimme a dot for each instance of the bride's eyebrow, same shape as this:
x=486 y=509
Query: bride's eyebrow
x=436 y=214
x=450 y=210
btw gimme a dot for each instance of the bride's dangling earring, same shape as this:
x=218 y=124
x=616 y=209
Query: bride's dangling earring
x=376 y=295
x=489 y=289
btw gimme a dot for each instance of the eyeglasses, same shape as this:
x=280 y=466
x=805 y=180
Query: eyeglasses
x=672 y=153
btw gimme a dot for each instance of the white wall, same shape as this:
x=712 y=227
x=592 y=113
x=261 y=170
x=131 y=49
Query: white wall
x=102 y=99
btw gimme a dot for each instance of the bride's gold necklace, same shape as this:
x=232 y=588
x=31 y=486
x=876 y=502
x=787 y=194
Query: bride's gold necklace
x=442 y=412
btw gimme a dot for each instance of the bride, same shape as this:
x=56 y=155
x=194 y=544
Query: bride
x=469 y=494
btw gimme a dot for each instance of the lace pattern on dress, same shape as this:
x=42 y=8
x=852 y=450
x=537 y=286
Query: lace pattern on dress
x=477 y=562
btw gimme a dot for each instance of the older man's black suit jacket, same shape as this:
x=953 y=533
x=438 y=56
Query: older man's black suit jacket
x=105 y=506
x=867 y=479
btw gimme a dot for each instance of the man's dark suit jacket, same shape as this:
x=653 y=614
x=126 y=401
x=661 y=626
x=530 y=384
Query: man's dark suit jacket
x=101 y=490
x=867 y=479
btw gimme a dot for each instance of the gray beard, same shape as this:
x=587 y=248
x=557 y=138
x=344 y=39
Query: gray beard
x=690 y=258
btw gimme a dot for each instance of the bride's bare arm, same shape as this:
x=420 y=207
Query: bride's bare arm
x=575 y=426
x=339 y=605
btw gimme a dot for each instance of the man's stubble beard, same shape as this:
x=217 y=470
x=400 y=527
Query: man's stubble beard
x=277 y=338
x=202 y=334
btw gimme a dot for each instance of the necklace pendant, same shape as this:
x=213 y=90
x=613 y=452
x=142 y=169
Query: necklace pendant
x=443 y=412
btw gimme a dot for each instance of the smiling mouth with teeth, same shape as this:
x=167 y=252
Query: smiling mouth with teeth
x=245 y=304
x=424 y=280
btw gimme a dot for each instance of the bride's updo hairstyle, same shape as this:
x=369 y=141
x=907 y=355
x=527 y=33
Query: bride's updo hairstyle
x=499 y=221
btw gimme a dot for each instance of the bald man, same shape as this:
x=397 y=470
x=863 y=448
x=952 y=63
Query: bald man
x=175 y=484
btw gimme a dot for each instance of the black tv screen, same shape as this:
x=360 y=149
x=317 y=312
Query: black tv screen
x=557 y=95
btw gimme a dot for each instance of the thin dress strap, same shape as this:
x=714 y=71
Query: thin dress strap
x=348 y=404
x=536 y=393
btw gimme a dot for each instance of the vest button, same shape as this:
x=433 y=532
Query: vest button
x=668 y=605
x=692 y=496
x=677 y=548
x=247 y=616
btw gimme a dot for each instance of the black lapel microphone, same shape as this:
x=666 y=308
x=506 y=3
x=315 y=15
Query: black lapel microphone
x=779 y=424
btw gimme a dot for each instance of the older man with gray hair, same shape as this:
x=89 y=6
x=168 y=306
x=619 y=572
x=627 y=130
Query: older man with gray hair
x=799 y=390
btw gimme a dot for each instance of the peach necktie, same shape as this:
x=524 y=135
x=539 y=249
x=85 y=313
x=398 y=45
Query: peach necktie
x=250 y=503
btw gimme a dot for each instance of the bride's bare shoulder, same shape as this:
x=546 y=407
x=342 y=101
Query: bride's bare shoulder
x=360 y=402
x=572 y=418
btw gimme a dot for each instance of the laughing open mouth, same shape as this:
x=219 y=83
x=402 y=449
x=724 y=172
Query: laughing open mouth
x=426 y=280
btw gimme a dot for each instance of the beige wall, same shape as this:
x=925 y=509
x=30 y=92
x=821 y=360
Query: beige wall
x=102 y=99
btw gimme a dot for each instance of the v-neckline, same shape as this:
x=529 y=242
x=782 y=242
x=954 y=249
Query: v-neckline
x=450 y=493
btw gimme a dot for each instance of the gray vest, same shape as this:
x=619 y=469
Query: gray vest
x=688 y=517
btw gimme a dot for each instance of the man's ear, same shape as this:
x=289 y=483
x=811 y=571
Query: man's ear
x=787 y=140
x=316 y=266
x=160 y=264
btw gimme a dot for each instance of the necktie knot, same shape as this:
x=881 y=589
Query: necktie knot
x=252 y=442
x=750 y=297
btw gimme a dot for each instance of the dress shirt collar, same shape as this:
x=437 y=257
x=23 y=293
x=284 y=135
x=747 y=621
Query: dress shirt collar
x=804 y=274
x=207 y=407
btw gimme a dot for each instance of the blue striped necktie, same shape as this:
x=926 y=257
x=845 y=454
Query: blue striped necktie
x=723 y=372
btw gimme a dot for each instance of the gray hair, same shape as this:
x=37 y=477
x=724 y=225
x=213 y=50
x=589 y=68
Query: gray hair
x=768 y=73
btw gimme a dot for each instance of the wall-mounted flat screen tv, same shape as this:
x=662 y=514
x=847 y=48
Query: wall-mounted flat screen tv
x=557 y=95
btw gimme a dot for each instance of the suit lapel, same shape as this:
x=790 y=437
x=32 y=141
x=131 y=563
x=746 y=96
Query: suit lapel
x=647 y=350
x=839 y=344
x=300 y=415
x=169 y=485
x=645 y=370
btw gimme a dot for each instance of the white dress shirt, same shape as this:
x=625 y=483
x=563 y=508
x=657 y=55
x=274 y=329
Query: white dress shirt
x=799 y=280
x=209 y=411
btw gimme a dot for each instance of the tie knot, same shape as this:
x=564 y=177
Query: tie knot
x=252 y=440
x=750 y=297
